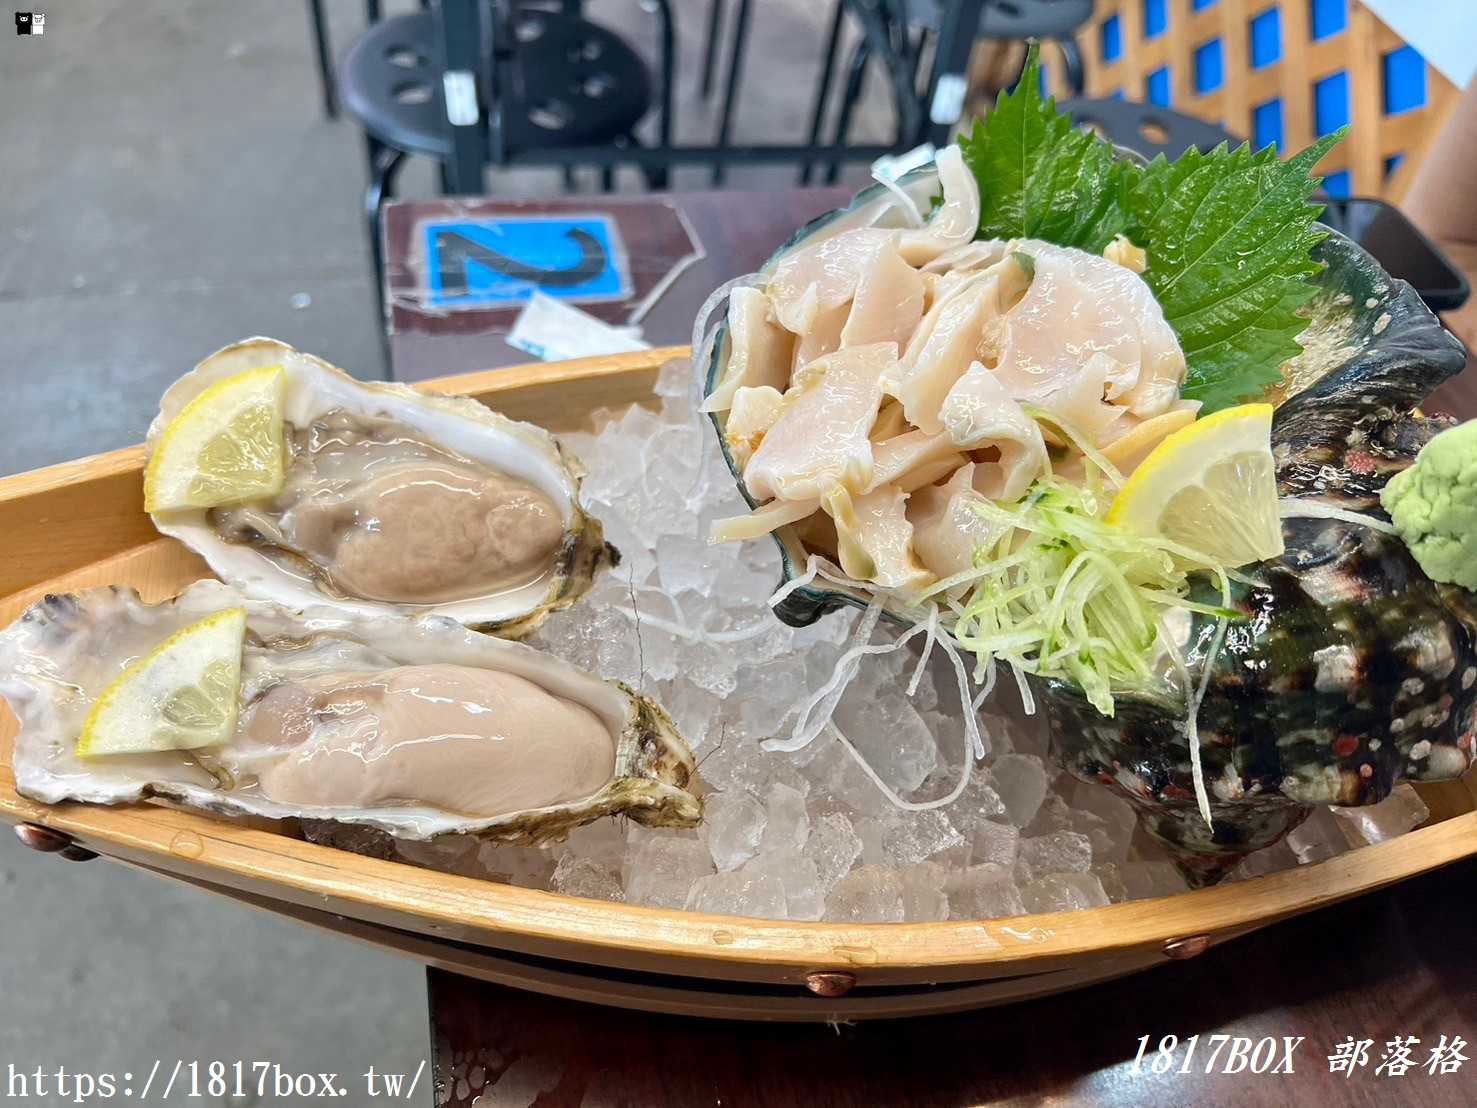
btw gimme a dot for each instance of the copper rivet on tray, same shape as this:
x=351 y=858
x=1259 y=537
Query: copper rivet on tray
x=827 y=983
x=41 y=838
x=1187 y=947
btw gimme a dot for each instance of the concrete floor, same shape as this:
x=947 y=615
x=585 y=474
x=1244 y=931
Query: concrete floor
x=168 y=184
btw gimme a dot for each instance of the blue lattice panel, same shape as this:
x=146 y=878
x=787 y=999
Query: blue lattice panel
x=1275 y=71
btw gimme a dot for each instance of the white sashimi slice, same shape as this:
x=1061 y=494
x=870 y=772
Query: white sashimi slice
x=946 y=529
x=890 y=421
x=913 y=459
x=978 y=413
x=957 y=218
x=874 y=539
x=754 y=411
x=888 y=302
x=823 y=275
x=972 y=255
x=1080 y=402
x=950 y=338
x=821 y=437
x=760 y=350
x=1079 y=305
x=940 y=286
x=824 y=336
x=1158 y=387
x=762 y=520
x=943 y=346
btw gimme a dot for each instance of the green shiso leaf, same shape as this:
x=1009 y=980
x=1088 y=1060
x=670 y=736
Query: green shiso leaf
x=1040 y=177
x=1229 y=237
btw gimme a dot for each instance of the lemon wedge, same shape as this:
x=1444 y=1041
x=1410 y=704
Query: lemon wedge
x=180 y=696
x=227 y=445
x=1211 y=487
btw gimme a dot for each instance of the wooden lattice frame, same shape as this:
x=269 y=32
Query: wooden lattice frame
x=1359 y=50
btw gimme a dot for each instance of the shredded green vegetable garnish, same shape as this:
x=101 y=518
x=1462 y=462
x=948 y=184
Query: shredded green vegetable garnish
x=1059 y=593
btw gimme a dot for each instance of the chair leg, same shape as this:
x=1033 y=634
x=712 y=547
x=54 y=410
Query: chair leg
x=669 y=80
x=823 y=89
x=372 y=12
x=384 y=166
x=730 y=94
x=322 y=52
x=657 y=179
x=1072 y=60
x=855 y=72
x=655 y=175
x=710 y=46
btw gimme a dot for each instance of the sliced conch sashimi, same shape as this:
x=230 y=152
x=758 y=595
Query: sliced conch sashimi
x=972 y=255
x=823 y=275
x=1000 y=363
x=754 y=411
x=1132 y=447
x=955 y=221
x=824 y=336
x=979 y=412
x=888 y=302
x=821 y=439
x=949 y=339
x=1079 y=404
x=947 y=529
x=1079 y=305
x=763 y=520
x=912 y=459
x=874 y=538
x=760 y=350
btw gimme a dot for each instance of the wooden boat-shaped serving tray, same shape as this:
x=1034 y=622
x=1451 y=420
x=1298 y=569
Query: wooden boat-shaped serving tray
x=82 y=524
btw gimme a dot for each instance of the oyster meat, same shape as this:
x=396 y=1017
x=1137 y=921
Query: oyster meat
x=413 y=726
x=396 y=500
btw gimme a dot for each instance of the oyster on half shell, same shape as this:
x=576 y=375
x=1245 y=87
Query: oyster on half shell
x=417 y=727
x=396 y=501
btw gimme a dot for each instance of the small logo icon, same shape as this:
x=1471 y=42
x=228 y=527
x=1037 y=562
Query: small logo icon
x=30 y=23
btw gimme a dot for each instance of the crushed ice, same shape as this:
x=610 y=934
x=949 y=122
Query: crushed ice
x=801 y=831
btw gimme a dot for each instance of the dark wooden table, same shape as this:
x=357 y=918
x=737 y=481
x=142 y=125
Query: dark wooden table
x=737 y=230
x=1399 y=962
x=1396 y=963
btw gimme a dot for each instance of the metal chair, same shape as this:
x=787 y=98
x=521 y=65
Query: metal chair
x=1146 y=128
x=1055 y=21
x=559 y=80
x=323 y=53
x=909 y=24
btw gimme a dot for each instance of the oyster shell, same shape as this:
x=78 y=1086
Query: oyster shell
x=355 y=721
x=397 y=501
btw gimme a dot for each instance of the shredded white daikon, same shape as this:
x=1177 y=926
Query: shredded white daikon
x=975 y=747
x=905 y=202
x=1197 y=696
x=814 y=717
x=1294 y=508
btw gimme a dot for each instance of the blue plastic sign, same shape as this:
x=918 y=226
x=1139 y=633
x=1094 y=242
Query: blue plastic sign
x=502 y=261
